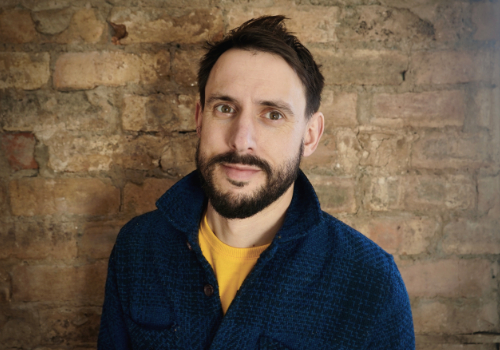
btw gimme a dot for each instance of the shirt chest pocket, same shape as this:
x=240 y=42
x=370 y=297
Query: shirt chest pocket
x=152 y=327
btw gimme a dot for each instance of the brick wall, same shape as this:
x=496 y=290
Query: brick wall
x=93 y=129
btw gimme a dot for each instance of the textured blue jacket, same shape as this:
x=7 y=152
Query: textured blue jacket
x=319 y=285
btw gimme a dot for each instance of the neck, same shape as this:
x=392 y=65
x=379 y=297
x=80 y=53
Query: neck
x=254 y=231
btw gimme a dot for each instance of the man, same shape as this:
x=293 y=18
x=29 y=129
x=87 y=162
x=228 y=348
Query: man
x=239 y=254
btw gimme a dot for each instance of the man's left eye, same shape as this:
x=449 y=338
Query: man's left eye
x=274 y=115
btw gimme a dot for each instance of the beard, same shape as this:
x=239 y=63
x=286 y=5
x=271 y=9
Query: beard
x=241 y=206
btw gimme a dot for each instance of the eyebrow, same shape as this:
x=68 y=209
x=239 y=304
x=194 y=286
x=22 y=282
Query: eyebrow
x=268 y=103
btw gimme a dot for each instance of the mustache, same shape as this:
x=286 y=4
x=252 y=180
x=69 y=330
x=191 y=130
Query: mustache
x=245 y=159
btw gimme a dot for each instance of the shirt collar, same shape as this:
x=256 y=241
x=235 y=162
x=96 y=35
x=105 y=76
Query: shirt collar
x=184 y=203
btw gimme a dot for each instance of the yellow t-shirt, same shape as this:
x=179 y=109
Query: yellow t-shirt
x=231 y=265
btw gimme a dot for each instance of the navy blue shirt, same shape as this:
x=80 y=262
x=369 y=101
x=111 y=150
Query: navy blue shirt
x=319 y=285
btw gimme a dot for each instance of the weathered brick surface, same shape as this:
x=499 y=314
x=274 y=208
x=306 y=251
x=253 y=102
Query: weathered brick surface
x=450 y=67
x=486 y=18
x=98 y=239
x=82 y=284
x=90 y=69
x=456 y=346
x=22 y=70
x=19 y=326
x=339 y=110
x=362 y=67
x=458 y=233
x=16 y=26
x=450 y=150
x=489 y=195
x=159 y=113
x=141 y=199
x=144 y=152
x=19 y=150
x=463 y=317
x=389 y=151
x=87 y=196
x=69 y=326
x=402 y=235
x=40 y=239
x=177 y=156
x=70 y=27
x=185 y=67
x=449 y=278
x=310 y=23
x=152 y=25
x=383 y=25
x=338 y=153
x=71 y=153
x=427 y=109
x=336 y=195
x=421 y=193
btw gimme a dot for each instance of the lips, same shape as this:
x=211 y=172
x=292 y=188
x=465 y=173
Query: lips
x=240 y=172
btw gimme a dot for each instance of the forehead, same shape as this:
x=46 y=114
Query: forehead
x=256 y=75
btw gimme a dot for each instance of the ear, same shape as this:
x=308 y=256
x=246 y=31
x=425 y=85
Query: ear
x=313 y=132
x=198 y=117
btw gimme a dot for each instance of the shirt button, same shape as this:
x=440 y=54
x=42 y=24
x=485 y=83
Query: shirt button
x=189 y=246
x=208 y=290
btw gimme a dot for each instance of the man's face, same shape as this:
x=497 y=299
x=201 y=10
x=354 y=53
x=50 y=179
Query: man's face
x=251 y=131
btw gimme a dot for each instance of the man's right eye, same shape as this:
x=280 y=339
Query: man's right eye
x=224 y=109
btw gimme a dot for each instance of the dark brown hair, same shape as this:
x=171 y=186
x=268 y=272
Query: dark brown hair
x=267 y=34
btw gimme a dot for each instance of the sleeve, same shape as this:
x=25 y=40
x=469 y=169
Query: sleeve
x=112 y=332
x=394 y=331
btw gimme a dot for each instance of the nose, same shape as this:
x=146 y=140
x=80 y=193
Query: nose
x=242 y=133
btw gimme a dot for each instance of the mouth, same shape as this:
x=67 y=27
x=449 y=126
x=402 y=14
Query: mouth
x=240 y=172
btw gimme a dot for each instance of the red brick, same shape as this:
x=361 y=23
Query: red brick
x=20 y=70
x=99 y=238
x=86 y=70
x=449 y=278
x=338 y=153
x=402 y=235
x=155 y=25
x=310 y=23
x=462 y=317
x=84 y=196
x=16 y=26
x=69 y=325
x=450 y=150
x=450 y=67
x=81 y=284
x=177 y=157
x=141 y=199
x=361 y=67
x=19 y=149
x=40 y=239
x=336 y=194
x=426 y=109
x=486 y=18
x=339 y=110
x=471 y=237
x=159 y=113
x=388 y=151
